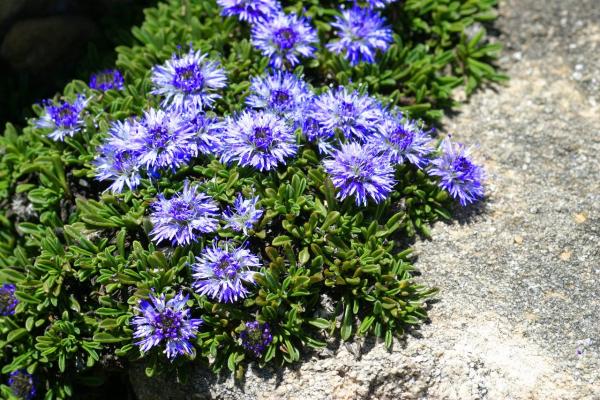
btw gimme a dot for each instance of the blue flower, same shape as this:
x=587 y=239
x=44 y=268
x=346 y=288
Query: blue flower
x=166 y=140
x=380 y=3
x=243 y=215
x=220 y=273
x=361 y=33
x=107 y=80
x=207 y=131
x=119 y=157
x=258 y=139
x=21 y=384
x=184 y=217
x=8 y=301
x=354 y=115
x=256 y=337
x=64 y=118
x=188 y=81
x=249 y=10
x=280 y=92
x=166 y=323
x=357 y=171
x=402 y=140
x=457 y=172
x=284 y=38
x=312 y=130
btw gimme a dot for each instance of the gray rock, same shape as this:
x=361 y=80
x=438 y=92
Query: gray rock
x=38 y=43
x=519 y=276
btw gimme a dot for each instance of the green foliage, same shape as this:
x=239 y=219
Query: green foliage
x=81 y=258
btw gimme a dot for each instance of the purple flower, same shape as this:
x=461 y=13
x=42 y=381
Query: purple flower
x=107 y=80
x=249 y=10
x=354 y=115
x=64 y=118
x=188 y=81
x=119 y=157
x=361 y=33
x=207 y=131
x=8 y=301
x=380 y=3
x=258 y=139
x=357 y=171
x=402 y=140
x=165 y=140
x=184 y=217
x=458 y=175
x=21 y=384
x=312 y=130
x=256 y=337
x=284 y=38
x=280 y=92
x=220 y=273
x=243 y=215
x=167 y=323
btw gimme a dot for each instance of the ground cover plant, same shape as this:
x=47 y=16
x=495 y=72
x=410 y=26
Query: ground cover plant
x=242 y=187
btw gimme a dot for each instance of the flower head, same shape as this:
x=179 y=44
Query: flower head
x=166 y=140
x=8 y=301
x=188 y=81
x=249 y=10
x=220 y=273
x=21 y=384
x=244 y=214
x=184 y=217
x=118 y=158
x=284 y=38
x=280 y=92
x=357 y=171
x=258 y=139
x=356 y=116
x=256 y=337
x=167 y=323
x=64 y=118
x=207 y=131
x=457 y=172
x=402 y=140
x=107 y=80
x=361 y=32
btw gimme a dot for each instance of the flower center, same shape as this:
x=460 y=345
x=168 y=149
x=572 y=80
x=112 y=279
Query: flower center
x=64 y=116
x=462 y=166
x=286 y=38
x=347 y=109
x=181 y=210
x=263 y=137
x=189 y=79
x=361 y=169
x=226 y=267
x=21 y=385
x=402 y=137
x=159 y=136
x=168 y=323
x=280 y=97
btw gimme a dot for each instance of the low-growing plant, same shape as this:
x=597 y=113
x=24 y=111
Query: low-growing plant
x=242 y=189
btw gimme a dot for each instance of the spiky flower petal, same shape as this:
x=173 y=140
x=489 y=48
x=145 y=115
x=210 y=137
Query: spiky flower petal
x=107 y=80
x=356 y=170
x=458 y=174
x=188 y=81
x=361 y=32
x=185 y=217
x=220 y=272
x=249 y=10
x=354 y=115
x=285 y=38
x=380 y=3
x=243 y=215
x=62 y=117
x=402 y=140
x=166 y=323
x=256 y=337
x=8 y=301
x=21 y=384
x=280 y=92
x=258 y=139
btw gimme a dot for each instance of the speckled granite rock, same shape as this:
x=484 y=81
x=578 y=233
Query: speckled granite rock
x=519 y=278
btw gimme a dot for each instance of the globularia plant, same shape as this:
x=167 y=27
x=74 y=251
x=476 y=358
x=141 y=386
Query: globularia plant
x=238 y=190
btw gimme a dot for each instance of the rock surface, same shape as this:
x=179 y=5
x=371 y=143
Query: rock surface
x=519 y=279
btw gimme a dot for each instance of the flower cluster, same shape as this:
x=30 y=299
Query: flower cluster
x=256 y=337
x=8 y=301
x=21 y=384
x=62 y=118
x=165 y=322
x=107 y=80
